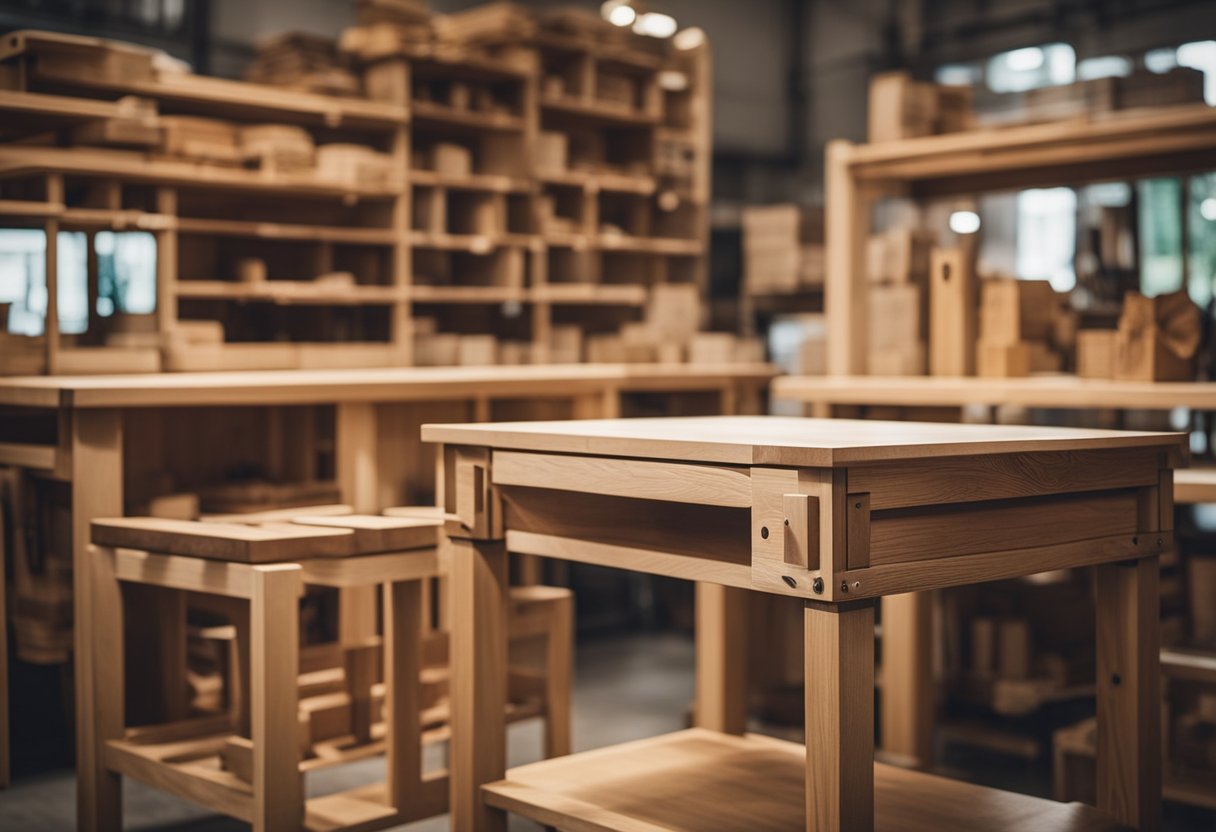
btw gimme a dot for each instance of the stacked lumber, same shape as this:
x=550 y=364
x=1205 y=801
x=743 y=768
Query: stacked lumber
x=356 y=165
x=200 y=139
x=782 y=248
x=1098 y=96
x=901 y=107
x=897 y=263
x=1158 y=338
x=302 y=61
x=1018 y=328
x=277 y=148
x=135 y=126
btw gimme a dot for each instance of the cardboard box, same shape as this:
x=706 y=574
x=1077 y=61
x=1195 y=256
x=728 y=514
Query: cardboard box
x=1158 y=338
x=1003 y=360
x=952 y=312
x=1096 y=353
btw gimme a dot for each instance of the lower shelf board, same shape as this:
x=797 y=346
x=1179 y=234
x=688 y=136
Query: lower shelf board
x=698 y=779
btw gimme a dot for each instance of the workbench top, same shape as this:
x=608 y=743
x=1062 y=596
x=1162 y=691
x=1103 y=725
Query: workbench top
x=271 y=387
x=776 y=440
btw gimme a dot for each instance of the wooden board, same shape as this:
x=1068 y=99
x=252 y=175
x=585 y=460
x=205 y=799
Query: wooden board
x=222 y=541
x=698 y=780
x=772 y=440
x=374 y=533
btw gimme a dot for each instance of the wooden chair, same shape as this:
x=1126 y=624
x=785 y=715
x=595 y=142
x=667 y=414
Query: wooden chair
x=248 y=760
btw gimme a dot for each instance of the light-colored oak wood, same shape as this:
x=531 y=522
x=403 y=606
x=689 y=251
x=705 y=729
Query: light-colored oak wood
x=1128 y=693
x=96 y=468
x=698 y=780
x=224 y=541
x=478 y=587
x=278 y=789
x=721 y=632
x=909 y=701
x=840 y=718
x=715 y=485
x=773 y=440
x=377 y=533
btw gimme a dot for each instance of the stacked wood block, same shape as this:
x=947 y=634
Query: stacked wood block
x=782 y=248
x=1158 y=338
x=897 y=264
x=952 y=312
x=1018 y=328
x=302 y=61
x=901 y=107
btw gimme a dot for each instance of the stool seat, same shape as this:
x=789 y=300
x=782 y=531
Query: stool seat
x=303 y=538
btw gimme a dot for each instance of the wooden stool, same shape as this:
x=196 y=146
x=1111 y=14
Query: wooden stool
x=258 y=778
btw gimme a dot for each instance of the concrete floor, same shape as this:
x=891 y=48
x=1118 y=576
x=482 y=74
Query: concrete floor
x=625 y=689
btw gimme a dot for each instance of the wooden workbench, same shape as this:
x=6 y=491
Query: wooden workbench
x=836 y=513
x=90 y=430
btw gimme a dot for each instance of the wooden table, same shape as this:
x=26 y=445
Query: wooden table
x=837 y=513
x=71 y=428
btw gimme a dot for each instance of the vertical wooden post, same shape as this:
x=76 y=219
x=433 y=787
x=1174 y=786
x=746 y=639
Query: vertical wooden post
x=50 y=331
x=166 y=265
x=106 y=655
x=402 y=703
x=839 y=643
x=908 y=693
x=274 y=610
x=96 y=471
x=721 y=630
x=559 y=677
x=356 y=444
x=479 y=680
x=5 y=735
x=845 y=295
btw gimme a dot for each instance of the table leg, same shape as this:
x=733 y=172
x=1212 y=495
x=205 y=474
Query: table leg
x=274 y=612
x=1129 y=693
x=908 y=694
x=402 y=670
x=478 y=746
x=559 y=678
x=721 y=658
x=104 y=646
x=96 y=474
x=839 y=643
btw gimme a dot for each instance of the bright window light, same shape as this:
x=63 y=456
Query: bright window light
x=1207 y=209
x=1201 y=55
x=1024 y=60
x=1110 y=194
x=655 y=25
x=964 y=222
x=1106 y=66
x=691 y=38
x=1032 y=67
x=618 y=12
x=958 y=75
x=1047 y=236
x=1160 y=60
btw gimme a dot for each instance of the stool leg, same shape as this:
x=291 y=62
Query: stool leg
x=402 y=680
x=479 y=680
x=278 y=794
x=104 y=642
x=839 y=646
x=909 y=699
x=721 y=633
x=559 y=677
x=1129 y=693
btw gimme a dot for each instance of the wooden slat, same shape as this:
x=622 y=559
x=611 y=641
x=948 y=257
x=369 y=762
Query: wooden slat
x=376 y=533
x=225 y=793
x=223 y=541
x=35 y=457
x=713 y=485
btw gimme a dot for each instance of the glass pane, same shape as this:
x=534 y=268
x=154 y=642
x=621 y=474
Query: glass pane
x=1047 y=236
x=126 y=267
x=1201 y=215
x=1160 y=224
x=23 y=279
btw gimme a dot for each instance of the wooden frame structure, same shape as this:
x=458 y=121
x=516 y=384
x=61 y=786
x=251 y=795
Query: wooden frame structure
x=834 y=512
x=1123 y=144
x=451 y=243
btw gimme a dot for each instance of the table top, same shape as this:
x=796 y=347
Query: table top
x=775 y=440
x=270 y=387
x=1061 y=391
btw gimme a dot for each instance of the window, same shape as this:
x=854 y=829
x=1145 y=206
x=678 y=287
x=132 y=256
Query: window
x=1032 y=67
x=1047 y=236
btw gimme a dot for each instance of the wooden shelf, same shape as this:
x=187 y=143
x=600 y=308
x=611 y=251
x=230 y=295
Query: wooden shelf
x=28 y=113
x=592 y=294
x=1048 y=391
x=133 y=166
x=626 y=183
x=287 y=231
x=288 y=293
x=1195 y=485
x=475 y=243
x=492 y=182
x=422 y=293
x=647 y=245
x=430 y=112
x=696 y=780
x=598 y=111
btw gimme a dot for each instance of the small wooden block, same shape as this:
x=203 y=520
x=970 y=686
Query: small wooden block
x=374 y=533
x=801 y=530
x=223 y=541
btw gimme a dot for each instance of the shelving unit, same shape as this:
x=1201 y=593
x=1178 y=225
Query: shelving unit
x=465 y=238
